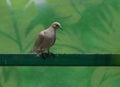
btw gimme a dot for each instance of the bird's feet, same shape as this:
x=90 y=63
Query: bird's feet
x=44 y=55
x=51 y=54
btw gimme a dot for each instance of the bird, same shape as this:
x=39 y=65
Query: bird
x=46 y=39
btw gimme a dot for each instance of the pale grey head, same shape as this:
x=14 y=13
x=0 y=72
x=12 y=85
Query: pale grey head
x=56 y=25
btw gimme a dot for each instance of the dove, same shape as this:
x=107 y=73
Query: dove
x=46 y=39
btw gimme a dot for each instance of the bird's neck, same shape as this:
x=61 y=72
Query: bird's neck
x=52 y=29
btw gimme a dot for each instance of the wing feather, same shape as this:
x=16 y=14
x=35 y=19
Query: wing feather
x=39 y=41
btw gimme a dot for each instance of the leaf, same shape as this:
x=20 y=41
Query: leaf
x=106 y=77
x=15 y=25
x=98 y=77
x=8 y=77
x=8 y=36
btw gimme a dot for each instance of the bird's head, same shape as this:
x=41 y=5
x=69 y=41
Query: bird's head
x=56 y=25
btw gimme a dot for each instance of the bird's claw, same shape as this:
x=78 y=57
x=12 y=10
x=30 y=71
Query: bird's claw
x=45 y=55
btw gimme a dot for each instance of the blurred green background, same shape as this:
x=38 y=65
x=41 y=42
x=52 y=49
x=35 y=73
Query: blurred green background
x=59 y=76
x=90 y=26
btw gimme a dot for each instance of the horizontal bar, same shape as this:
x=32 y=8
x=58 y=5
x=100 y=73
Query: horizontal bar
x=57 y=60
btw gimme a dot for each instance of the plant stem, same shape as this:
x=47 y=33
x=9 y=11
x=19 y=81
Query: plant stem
x=15 y=25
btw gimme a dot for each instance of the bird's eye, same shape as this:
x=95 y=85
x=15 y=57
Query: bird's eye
x=57 y=25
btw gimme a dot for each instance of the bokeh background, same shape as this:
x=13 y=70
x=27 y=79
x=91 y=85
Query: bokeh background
x=59 y=76
x=90 y=26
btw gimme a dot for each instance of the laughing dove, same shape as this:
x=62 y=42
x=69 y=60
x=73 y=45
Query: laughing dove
x=46 y=39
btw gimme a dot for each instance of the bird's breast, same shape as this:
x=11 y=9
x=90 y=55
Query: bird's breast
x=49 y=34
x=49 y=39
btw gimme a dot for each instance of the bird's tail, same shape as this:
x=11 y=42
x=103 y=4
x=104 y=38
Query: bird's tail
x=35 y=51
x=30 y=51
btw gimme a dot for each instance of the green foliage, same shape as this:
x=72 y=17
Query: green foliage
x=8 y=77
x=90 y=26
x=59 y=76
x=106 y=77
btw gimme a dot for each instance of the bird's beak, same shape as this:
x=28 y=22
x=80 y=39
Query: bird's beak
x=61 y=28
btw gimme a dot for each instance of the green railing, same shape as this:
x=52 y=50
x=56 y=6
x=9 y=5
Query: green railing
x=58 y=60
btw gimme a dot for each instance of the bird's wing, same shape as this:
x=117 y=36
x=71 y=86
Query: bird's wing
x=39 y=41
x=54 y=39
